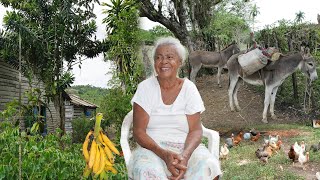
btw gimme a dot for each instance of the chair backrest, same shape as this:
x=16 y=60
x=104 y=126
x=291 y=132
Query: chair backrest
x=126 y=134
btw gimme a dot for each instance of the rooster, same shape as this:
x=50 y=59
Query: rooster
x=303 y=146
x=293 y=155
x=297 y=148
x=224 y=151
x=238 y=138
x=318 y=175
x=256 y=137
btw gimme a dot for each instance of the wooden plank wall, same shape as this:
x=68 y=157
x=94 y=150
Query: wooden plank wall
x=69 y=115
x=9 y=90
x=78 y=111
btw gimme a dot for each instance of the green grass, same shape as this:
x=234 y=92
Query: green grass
x=243 y=164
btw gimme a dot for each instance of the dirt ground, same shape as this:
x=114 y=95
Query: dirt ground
x=219 y=117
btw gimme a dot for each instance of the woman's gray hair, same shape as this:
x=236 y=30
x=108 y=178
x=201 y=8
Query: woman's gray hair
x=181 y=50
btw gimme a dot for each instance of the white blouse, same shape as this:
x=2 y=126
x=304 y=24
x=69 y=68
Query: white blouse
x=168 y=122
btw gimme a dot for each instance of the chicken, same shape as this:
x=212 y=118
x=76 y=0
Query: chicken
x=318 y=175
x=273 y=138
x=264 y=153
x=253 y=132
x=224 y=151
x=246 y=136
x=229 y=141
x=303 y=146
x=297 y=148
x=238 y=138
x=315 y=147
x=256 y=137
x=276 y=146
x=293 y=155
x=303 y=159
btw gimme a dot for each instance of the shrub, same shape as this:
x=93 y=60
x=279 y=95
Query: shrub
x=80 y=127
x=49 y=157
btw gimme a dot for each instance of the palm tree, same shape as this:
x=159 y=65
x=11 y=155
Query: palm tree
x=299 y=17
x=253 y=13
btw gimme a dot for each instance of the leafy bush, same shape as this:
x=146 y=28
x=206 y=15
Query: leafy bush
x=49 y=157
x=81 y=126
x=115 y=105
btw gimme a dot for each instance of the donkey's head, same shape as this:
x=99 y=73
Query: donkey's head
x=236 y=49
x=308 y=66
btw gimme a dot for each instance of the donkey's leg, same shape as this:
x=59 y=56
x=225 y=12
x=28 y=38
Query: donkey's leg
x=219 y=76
x=194 y=72
x=233 y=81
x=235 y=95
x=273 y=98
x=267 y=97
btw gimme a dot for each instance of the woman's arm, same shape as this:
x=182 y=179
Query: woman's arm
x=194 y=136
x=140 y=122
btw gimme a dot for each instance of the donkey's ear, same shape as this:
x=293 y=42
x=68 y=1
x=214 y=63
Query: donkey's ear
x=302 y=49
x=307 y=51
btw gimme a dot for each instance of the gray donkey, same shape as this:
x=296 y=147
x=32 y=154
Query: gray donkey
x=271 y=76
x=211 y=59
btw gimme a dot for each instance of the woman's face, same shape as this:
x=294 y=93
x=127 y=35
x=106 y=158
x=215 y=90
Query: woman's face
x=167 y=61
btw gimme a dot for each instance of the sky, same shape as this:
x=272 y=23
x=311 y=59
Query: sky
x=96 y=72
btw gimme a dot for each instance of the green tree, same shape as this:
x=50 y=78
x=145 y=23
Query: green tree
x=53 y=33
x=123 y=35
x=299 y=17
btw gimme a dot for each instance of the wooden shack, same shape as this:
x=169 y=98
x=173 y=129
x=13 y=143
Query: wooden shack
x=10 y=90
x=75 y=107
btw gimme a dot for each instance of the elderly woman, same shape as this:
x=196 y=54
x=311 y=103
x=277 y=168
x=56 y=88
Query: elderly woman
x=166 y=123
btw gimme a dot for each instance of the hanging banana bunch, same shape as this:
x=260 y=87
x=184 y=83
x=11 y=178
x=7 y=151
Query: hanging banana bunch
x=98 y=152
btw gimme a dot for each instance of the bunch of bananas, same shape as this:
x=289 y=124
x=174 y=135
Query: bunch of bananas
x=98 y=152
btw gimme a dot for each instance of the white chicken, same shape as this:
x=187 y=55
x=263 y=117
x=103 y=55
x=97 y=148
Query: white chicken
x=273 y=139
x=303 y=146
x=318 y=175
x=303 y=159
x=224 y=151
x=297 y=148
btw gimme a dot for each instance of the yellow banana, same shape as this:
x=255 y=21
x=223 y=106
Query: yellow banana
x=102 y=161
x=85 y=151
x=112 y=169
x=86 y=172
x=93 y=151
x=96 y=164
x=109 y=143
x=89 y=133
x=109 y=154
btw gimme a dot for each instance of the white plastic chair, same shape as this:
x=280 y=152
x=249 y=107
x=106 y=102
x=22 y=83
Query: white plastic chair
x=213 y=138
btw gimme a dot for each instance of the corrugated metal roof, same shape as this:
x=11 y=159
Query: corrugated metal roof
x=80 y=102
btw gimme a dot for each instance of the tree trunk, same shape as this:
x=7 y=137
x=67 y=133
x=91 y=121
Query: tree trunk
x=59 y=106
x=294 y=78
x=176 y=26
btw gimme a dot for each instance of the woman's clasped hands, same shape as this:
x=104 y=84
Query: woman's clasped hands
x=176 y=164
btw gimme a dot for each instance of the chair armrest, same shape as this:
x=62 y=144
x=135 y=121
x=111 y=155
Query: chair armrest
x=213 y=141
x=124 y=140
